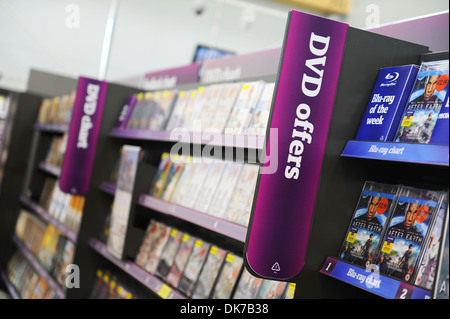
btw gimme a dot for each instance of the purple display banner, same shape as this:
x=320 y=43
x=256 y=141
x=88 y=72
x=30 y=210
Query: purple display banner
x=237 y=67
x=301 y=111
x=126 y=111
x=170 y=78
x=83 y=133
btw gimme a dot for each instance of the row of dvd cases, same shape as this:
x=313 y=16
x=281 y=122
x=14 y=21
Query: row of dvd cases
x=341 y=175
x=47 y=132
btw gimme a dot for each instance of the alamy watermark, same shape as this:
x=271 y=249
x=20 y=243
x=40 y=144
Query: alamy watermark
x=72 y=16
x=373 y=17
x=72 y=276
x=211 y=146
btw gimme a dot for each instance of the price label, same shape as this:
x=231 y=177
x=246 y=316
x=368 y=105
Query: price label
x=164 y=291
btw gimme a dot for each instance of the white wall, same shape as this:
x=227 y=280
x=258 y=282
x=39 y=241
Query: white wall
x=66 y=36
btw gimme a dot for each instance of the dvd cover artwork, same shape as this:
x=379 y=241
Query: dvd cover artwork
x=260 y=116
x=193 y=267
x=147 y=110
x=369 y=220
x=228 y=277
x=196 y=184
x=157 y=249
x=408 y=232
x=248 y=286
x=225 y=189
x=65 y=260
x=428 y=261
x=244 y=106
x=440 y=133
x=209 y=273
x=134 y=121
x=193 y=108
x=424 y=104
x=272 y=289
x=176 y=168
x=179 y=263
x=387 y=103
x=164 y=103
x=209 y=186
x=126 y=111
x=441 y=287
x=239 y=207
x=152 y=233
x=176 y=117
x=209 y=107
x=188 y=110
x=224 y=107
x=187 y=175
x=160 y=178
x=169 y=252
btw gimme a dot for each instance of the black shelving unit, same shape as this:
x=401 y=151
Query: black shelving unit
x=344 y=169
x=23 y=113
x=25 y=176
x=342 y=175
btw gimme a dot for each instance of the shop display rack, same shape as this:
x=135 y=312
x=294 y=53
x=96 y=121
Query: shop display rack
x=297 y=225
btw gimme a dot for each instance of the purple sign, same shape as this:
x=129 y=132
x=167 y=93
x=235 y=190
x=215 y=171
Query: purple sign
x=126 y=111
x=236 y=67
x=83 y=133
x=301 y=111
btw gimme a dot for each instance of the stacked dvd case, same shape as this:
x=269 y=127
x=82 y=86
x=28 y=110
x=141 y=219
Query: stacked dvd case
x=395 y=230
x=368 y=224
x=427 y=97
x=408 y=231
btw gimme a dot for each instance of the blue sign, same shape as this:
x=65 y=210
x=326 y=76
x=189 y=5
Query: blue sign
x=387 y=102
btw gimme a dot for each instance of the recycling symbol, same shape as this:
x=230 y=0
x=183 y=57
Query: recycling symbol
x=276 y=267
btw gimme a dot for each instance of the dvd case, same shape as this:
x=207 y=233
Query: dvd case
x=193 y=267
x=441 y=287
x=157 y=249
x=440 y=133
x=272 y=289
x=175 y=170
x=147 y=109
x=196 y=184
x=387 y=103
x=193 y=109
x=181 y=259
x=226 y=102
x=225 y=189
x=164 y=103
x=244 y=107
x=424 y=104
x=176 y=117
x=210 y=105
x=134 y=120
x=368 y=223
x=209 y=186
x=228 y=277
x=260 y=116
x=152 y=232
x=426 y=273
x=209 y=273
x=248 y=286
x=169 y=252
x=64 y=260
x=186 y=177
x=126 y=111
x=239 y=207
x=160 y=178
x=408 y=232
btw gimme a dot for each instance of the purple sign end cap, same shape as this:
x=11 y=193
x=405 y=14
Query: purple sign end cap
x=83 y=134
x=304 y=96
